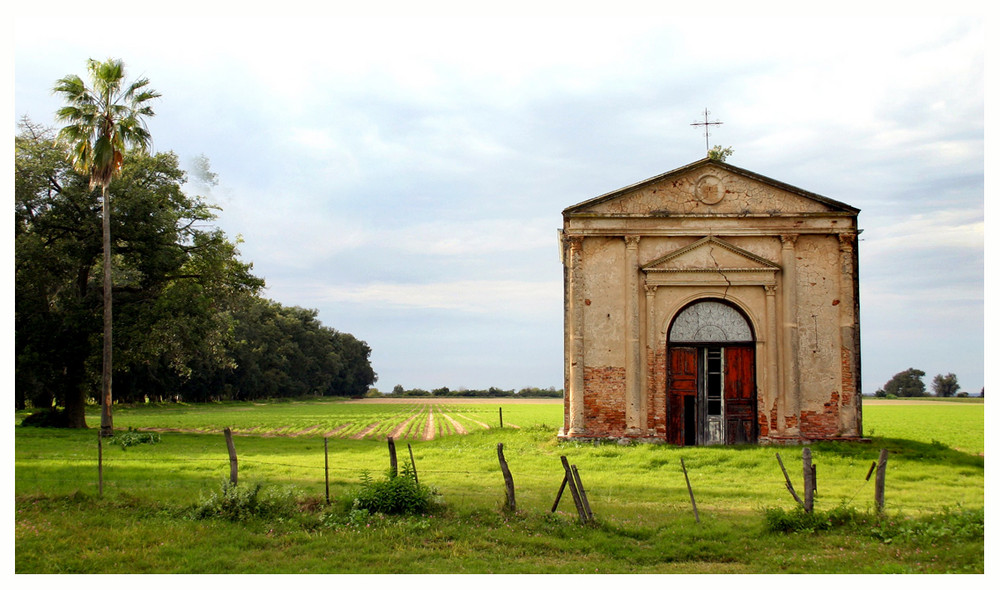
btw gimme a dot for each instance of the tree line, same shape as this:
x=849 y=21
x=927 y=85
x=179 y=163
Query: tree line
x=399 y=391
x=910 y=383
x=190 y=320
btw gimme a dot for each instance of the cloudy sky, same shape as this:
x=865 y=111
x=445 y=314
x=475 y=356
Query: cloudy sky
x=404 y=173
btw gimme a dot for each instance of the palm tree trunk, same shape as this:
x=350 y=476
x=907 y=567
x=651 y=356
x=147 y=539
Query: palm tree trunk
x=107 y=428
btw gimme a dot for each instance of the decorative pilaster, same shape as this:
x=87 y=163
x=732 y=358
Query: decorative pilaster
x=633 y=358
x=771 y=351
x=651 y=344
x=848 y=345
x=790 y=348
x=576 y=412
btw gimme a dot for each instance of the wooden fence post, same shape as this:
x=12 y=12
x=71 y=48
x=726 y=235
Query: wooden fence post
x=690 y=493
x=883 y=458
x=562 y=487
x=326 y=466
x=508 y=480
x=807 y=476
x=393 y=465
x=583 y=493
x=413 y=463
x=574 y=491
x=788 y=481
x=501 y=416
x=233 y=466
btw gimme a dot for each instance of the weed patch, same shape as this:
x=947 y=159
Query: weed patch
x=400 y=494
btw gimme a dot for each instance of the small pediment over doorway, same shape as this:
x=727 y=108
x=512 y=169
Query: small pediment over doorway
x=709 y=261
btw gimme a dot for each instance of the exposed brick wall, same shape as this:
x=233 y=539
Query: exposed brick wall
x=604 y=400
x=824 y=423
x=658 y=391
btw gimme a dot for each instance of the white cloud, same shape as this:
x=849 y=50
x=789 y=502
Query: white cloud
x=515 y=298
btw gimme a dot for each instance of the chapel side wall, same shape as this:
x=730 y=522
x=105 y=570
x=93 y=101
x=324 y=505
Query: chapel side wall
x=605 y=338
x=821 y=383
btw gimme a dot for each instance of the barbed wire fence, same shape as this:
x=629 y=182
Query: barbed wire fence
x=476 y=480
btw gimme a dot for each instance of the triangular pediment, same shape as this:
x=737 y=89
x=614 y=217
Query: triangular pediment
x=713 y=255
x=710 y=188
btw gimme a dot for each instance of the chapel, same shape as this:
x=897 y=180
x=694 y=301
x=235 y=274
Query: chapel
x=711 y=305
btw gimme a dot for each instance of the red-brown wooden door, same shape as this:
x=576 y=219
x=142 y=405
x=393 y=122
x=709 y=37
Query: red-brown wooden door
x=740 y=397
x=740 y=390
x=682 y=391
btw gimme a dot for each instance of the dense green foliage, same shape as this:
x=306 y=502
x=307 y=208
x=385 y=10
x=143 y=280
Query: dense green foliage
x=908 y=383
x=247 y=502
x=394 y=494
x=945 y=385
x=189 y=320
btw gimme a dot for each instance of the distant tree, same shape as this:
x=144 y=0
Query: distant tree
x=441 y=392
x=103 y=121
x=398 y=390
x=908 y=383
x=945 y=385
x=720 y=153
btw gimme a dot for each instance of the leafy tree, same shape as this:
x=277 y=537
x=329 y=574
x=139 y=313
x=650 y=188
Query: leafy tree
x=189 y=320
x=177 y=281
x=945 y=385
x=104 y=120
x=908 y=383
x=719 y=153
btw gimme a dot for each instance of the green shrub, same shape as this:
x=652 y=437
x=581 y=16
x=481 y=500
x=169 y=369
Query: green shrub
x=797 y=520
x=132 y=437
x=939 y=528
x=247 y=502
x=394 y=495
x=47 y=418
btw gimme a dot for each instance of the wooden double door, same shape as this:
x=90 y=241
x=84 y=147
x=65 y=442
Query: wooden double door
x=711 y=394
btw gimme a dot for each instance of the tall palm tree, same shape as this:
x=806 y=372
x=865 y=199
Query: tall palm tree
x=104 y=121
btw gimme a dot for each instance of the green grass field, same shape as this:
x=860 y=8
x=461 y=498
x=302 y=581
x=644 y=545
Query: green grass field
x=142 y=522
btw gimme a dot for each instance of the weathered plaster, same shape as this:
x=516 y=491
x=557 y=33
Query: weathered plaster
x=785 y=257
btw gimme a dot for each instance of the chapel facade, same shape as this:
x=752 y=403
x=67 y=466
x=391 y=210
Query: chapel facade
x=711 y=305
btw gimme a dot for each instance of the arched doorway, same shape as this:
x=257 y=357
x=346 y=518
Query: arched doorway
x=711 y=386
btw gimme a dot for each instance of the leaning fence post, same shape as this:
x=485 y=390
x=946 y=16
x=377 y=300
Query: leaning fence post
x=883 y=458
x=690 y=493
x=508 y=480
x=413 y=464
x=574 y=491
x=393 y=465
x=233 y=466
x=501 y=416
x=807 y=476
x=583 y=493
x=559 y=494
x=788 y=481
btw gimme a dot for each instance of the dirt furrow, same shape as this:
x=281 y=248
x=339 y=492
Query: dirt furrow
x=459 y=429
x=483 y=424
x=402 y=427
x=429 y=429
x=366 y=431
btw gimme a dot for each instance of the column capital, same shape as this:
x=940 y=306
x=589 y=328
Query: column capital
x=770 y=290
x=788 y=240
x=847 y=239
x=631 y=242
